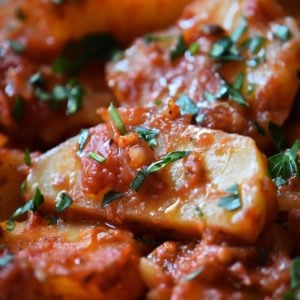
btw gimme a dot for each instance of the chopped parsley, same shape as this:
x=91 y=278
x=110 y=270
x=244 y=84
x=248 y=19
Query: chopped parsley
x=37 y=80
x=254 y=44
x=284 y=165
x=187 y=105
x=63 y=202
x=17 y=46
x=155 y=167
x=27 y=158
x=232 y=201
x=96 y=157
x=199 y=211
x=110 y=197
x=294 y=280
x=194 y=48
x=115 y=117
x=148 y=134
x=179 y=48
x=5 y=260
x=31 y=205
x=18 y=109
x=82 y=139
x=281 y=32
x=240 y=30
x=192 y=276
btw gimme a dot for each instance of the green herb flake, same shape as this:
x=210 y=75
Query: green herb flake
x=295 y=274
x=96 y=157
x=148 y=134
x=158 y=102
x=220 y=47
x=179 y=49
x=277 y=136
x=187 y=105
x=17 y=46
x=75 y=95
x=155 y=167
x=52 y=220
x=18 y=109
x=5 y=260
x=254 y=44
x=192 y=276
x=239 y=82
x=194 y=48
x=62 y=65
x=27 y=158
x=199 y=211
x=63 y=203
x=241 y=29
x=37 y=80
x=115 y=117
x=232 y=201
x=283 y=165
x=10 y=225
x=110 y=197
x=22 y=188
x=82 y=139
x=281 y=32
x=20 y=14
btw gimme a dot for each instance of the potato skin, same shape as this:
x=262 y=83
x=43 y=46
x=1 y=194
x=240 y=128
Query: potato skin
x=48 y=25
x=68 y=261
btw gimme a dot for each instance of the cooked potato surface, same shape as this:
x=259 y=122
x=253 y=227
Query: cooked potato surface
x=184 y=196
x=227 y=57
x=69 y=262
x=49 y=24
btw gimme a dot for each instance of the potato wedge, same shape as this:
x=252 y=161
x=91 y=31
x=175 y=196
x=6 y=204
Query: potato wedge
x=241 y=91
x=12 y=174
x=48 y=25
x=69 y=262
x=184 y=196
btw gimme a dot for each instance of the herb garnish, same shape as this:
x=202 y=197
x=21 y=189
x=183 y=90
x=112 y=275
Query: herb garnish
x=187 y=105
x=232 y=201
x=96 y=157
x=27 y=158
x=5 y=260
x=63 y=202
x=193 y=275
x=281 y=32
x=240 y=30
x=18 y=109
x=82 y=139
x=31 y=205
x=284 y=165
x=110 y=197
x=179 y=48
x=155 y=167
x=17 y=46
x=294 y=281
x=194 y=48
x=115 y=117
x=148 y=134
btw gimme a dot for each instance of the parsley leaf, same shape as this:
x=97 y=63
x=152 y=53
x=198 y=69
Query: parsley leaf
x=63 y=202
x=82 y=139
x=27 y=158
x=193 y=275
x=17 y=46
x=18 y=109
x=155 y=167
x=115 y=117
x=284 y=165
x=281 y=32
x=110 y=197
x=240 y=30
x=187 y=105
x=96 y=157
x=5 y=260
x=179 y=48
x=148 y=134
x=194 y=48
x=232 y=201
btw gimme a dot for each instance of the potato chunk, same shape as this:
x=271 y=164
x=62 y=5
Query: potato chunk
x=239 y=89
x=69 y=262
x=12 y=174
x=185 y=196
x=48 y=25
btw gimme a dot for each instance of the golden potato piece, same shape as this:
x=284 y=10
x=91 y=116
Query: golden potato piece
x=228 y=56
x=12 y=174
x=218 y=181
x=69 y=262
x=48 y=25
x=213 y=270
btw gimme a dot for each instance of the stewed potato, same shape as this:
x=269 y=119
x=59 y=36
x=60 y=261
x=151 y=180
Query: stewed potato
x=189 y=182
